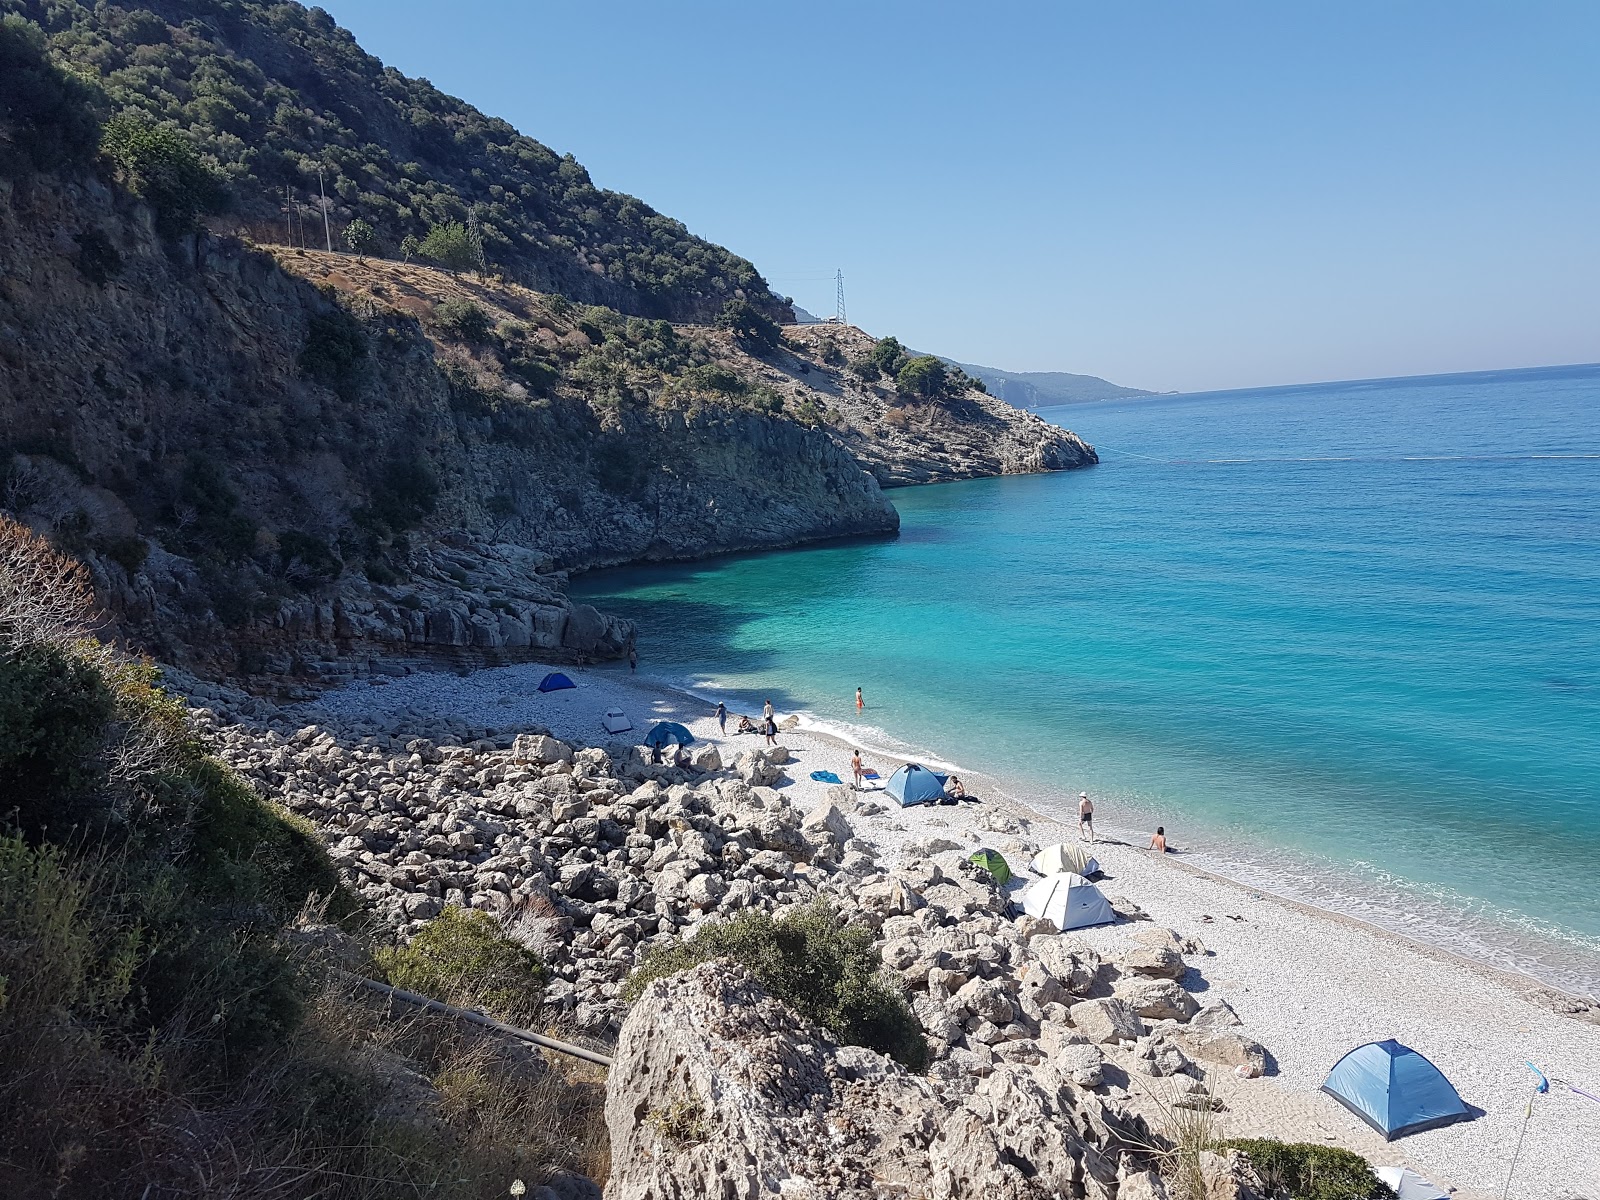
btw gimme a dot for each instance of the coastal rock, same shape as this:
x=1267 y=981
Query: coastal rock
x=1218 y=1014
x=1158 y=961
x=539 y=748
x=826 y=820
x=1226 y=1048
x=1106 y=1020
x=1156 y=999
x=716 y=1089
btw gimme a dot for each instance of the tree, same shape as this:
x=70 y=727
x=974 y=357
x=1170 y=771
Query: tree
x=160 y=166
x=409 y=246
x=755 y=330
x=452 y=247
x=888 y=355
x=359 y=236
x=922 y=376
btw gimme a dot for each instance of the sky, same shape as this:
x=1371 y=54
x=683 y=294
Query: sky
x=1173 y=194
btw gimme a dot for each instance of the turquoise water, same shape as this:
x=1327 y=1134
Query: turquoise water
x=1342 y=640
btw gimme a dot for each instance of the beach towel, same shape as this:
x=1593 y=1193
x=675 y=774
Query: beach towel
x=869 y=773
x=825 y=777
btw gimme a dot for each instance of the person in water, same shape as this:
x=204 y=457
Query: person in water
x=1159 y=842
x=857 y=769
x=633 y=660
x=860 y=703
x=722 y=716
x=1085 y=817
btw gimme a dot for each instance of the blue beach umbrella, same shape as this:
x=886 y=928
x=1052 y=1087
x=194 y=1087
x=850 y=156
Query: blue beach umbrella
x=668 y=731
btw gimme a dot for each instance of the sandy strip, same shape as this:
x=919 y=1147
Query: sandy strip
x=1308 y=984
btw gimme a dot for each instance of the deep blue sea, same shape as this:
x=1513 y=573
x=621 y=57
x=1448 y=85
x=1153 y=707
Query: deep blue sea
x=1343 y=640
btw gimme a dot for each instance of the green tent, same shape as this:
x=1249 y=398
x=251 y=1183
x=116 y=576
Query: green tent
x=992 y=862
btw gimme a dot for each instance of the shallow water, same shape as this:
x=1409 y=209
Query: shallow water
x=1342 y=640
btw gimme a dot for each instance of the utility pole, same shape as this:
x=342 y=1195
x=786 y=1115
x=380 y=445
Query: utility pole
x=321 y=191
x=838 y=311
x=288 y=216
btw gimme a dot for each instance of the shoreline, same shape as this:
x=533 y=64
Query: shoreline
x=1309 y=983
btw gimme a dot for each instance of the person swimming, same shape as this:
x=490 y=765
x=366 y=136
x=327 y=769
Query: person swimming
x=1159 y=842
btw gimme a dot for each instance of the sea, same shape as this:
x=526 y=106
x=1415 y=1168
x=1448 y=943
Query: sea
x=1341 y=640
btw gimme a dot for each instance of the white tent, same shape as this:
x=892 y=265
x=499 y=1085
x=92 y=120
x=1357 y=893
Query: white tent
x=1063 y=858
x=616 y=721
x=1408 y=1185
x=1070 y=901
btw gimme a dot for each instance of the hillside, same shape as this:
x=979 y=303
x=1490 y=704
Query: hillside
x=270 y=92
x=1041 y=389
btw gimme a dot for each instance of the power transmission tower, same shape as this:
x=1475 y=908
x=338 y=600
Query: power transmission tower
x=838 y=311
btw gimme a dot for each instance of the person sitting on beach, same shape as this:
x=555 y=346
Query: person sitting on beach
x=1085 y=817
x=746 y=725
x=680 y=759
x=655 y=755
x=1159 y=842
x=956 y=790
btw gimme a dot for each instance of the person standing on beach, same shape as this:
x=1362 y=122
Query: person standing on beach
x=860 y=704
x=1159 y=842
x=771 y=730
x=766 y=710
x=856 y=768
x=633 y=660
x=1085 y=817
x=722 y=717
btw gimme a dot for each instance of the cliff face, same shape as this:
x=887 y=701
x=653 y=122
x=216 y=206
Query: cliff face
x=266 y=480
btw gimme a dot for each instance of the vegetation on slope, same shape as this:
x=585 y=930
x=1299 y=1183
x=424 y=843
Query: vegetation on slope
x=827 y=972
x=157 y=1036
x=268 y=93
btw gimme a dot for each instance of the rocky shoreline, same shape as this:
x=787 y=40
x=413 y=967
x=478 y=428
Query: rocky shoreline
x=592 y=855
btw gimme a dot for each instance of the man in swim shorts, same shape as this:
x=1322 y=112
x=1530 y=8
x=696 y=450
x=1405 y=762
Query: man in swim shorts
x=1086 y=817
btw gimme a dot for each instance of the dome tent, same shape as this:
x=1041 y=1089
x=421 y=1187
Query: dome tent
x=555 y=682
x=1064 y=858
x=1394 y=1089
x=1068 y=901
x=915 y=784
x=993 y=862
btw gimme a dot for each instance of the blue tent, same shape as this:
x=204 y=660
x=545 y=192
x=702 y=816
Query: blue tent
x=554 y=682
x=914 y=784
x=669 y=731
x=1394 y=1089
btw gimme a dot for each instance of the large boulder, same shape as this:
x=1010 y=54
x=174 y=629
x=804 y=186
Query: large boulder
x=1158 y=961
x=1156 y=999
x=717 y=1089
x=1225 y=1048
x=539 y=748
x=756 y=769
x=827 y=822
x=1106 y=1020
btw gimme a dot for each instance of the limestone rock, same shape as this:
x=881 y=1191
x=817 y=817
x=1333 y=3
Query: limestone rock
x=1106 y=1020
x=1226 y=1048
x=1156 y=999
x=1161 y=961
x=1217 y=1015
x=827 y=820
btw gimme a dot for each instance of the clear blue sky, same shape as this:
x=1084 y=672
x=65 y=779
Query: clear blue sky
x=1186 y=194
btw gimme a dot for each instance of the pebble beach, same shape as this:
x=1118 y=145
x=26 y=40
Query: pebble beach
x=1309 y=985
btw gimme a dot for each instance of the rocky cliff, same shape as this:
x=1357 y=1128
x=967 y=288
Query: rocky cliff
x=272 y=478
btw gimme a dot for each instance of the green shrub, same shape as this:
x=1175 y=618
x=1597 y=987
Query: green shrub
x=826 y=973
x=464 y=957
x=335 y=351
x=452 y=246
x=47 y=118
x=888 y=356
x=462 y=319
x=405 y=492
x=161 y=166
x=1308 y=1171
x=755 y=330
x=922 y=376
x=54 y=709
x=359 y=236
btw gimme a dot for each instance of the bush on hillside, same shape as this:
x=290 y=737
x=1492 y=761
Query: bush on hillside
x=161 y=166
x=47 y=115
x=464 y=957
x=463 y=319
x=826 y=972
x=922 y=376
x=1309 y=1171
x=452 y=246
x=756 y=331
x=335 y=351
x=888 y=356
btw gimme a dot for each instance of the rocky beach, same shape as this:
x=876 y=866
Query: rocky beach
x=477 y=789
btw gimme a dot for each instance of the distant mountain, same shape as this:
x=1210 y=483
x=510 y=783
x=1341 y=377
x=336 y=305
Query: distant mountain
x=1040 y=389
